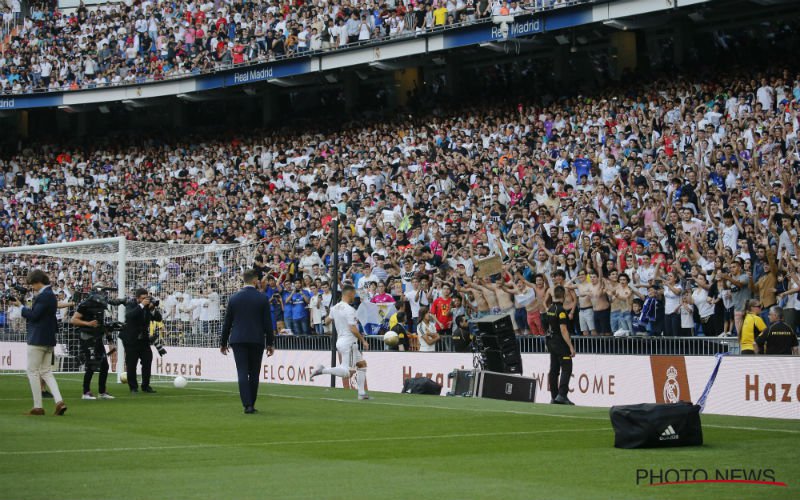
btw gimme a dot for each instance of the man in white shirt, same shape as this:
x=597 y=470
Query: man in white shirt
x=417 y=298
x=308 y=260
x=368 y=278
x=209 y=313
x=766 y=96
x=343 y=316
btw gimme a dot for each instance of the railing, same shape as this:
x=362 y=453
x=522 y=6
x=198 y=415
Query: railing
x=681 y=346
x=538 y=7
x=678 y=346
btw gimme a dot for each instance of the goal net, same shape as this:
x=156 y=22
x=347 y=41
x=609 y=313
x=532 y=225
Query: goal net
x=191 y=282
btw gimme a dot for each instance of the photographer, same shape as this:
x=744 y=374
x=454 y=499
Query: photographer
x=91 y=322
x=139 y=312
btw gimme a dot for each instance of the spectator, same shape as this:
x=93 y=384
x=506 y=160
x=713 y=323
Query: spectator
x=427 y=332
x=751 y=328
x=779 y=338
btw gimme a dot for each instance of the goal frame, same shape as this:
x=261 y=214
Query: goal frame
x=122 y=266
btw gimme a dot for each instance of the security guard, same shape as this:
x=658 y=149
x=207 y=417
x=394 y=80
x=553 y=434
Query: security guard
x=399 y=328
x=559 y=344
x=779 y=337
x=752 y=326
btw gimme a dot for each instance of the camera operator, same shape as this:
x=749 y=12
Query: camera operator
x=139 y=312
x=91 y=322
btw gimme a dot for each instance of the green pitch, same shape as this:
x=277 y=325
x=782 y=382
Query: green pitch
x=313 y=443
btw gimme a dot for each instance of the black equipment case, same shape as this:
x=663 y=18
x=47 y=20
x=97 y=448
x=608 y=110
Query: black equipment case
x=656 y=425
x=484 y=384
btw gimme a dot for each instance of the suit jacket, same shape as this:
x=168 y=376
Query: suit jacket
x=248 y=319
x=42 y=323
x=137 y=322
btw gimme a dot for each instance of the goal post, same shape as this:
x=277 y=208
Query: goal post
x=192 y=281
x=100 y=245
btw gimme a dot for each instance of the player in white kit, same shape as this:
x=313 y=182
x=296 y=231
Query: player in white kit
x=343 y=315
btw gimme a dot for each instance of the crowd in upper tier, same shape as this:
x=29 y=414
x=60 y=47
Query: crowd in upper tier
x=134 y=42
x=668 y=209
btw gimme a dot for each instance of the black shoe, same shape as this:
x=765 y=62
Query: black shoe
x=563 y=400
x=134 y=392
x=249 y=410
x=148 y=390
x=553 y=402
x=47 y=395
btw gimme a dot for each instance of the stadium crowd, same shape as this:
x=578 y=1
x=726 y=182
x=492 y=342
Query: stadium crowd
x=121 y=43
x=668 y=209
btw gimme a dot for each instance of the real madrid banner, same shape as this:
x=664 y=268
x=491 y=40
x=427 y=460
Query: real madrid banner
x=373 y=316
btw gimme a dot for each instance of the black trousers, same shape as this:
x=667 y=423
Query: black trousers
x=93 y=355
x=559 y=362
x=135 y=352
x=672 y=324
x=248 y=369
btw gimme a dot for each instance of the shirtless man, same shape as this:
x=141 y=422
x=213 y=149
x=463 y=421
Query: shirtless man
x=524 y=300
x=586 y=314
x=488 y=294
x=539 y=303
x=600 y=304
x=505 y=301
x=621 y=295
x=478 y=301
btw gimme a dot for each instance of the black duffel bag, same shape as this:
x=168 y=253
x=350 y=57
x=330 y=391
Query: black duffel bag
x=656 y=425
x=421 y=385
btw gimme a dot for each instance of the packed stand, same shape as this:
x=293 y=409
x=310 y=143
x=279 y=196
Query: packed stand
x=669 y=210
x=121 y=44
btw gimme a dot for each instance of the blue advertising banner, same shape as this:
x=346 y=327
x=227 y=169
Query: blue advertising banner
x=30 y=101
x=267 y=72
x=524 y=26
x=210 y=82
x=253 y=74
x=567 y=19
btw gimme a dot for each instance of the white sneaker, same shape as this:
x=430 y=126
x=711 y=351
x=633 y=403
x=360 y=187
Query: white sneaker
x=363 y=397
x=317 y=371
x=105 y=395
x=88 y=395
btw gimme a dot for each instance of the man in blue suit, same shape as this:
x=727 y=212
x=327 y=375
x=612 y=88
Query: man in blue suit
x=248 y=329
x=42 y=326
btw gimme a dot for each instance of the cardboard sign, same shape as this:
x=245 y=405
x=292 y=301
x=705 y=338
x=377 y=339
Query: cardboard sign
x=488 y=266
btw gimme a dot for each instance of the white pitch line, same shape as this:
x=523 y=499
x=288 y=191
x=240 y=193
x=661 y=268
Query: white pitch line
x=288 y=443
x=474 y=410
x=478 y=410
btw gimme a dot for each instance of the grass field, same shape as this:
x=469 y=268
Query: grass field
x=323 y=444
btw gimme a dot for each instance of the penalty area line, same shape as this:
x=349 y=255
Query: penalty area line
x=290 y=443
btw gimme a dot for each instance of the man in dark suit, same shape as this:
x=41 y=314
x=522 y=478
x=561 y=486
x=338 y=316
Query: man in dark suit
x=248 y=329
x=42 y=325
x=139 y=312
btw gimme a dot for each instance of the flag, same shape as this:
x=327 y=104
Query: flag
x=373 y=316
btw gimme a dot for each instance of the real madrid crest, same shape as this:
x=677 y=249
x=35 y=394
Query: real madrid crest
x=672 y=391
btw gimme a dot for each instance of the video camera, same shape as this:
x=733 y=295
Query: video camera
x=99 y=298
x=95 y=305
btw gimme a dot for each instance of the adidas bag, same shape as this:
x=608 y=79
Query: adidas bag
x=656 y=425
x=421 y=385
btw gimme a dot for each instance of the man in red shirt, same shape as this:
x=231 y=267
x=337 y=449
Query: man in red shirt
x=442 y=311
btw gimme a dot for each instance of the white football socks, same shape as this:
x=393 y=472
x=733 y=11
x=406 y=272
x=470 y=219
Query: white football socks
x=339 y=371
x=361 y=380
